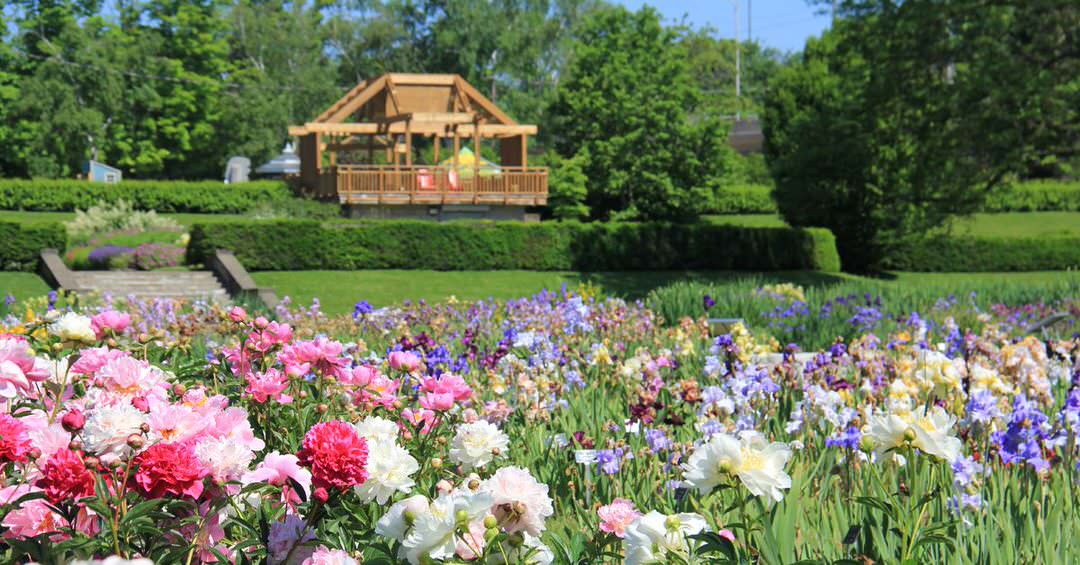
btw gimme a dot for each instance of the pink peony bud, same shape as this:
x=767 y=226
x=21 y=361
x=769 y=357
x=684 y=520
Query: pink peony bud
x=238 y=314
x=73 y=421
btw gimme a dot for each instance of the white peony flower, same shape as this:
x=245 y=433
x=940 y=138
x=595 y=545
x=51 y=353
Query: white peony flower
x=389 y=468
x=477 y=444
x=377 y=430
x=530 y=552
x=73 y=327
x=113 y=560
x=519 y=501
x=397 y=521
x=654 y=536
x=929 y=432
x=432 y=534
x=758 y=464
x=107 y=428
x=226 y=460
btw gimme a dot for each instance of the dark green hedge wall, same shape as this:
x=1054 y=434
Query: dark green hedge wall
x=20 y=244
x=64 y=195
x=975 y=254
x=298 y=245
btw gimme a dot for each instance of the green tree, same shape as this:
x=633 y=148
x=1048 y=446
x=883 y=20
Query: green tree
x=626 y=98
x=566 y=185
x=905 y=115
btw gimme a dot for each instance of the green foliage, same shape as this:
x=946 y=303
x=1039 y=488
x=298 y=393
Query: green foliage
x=20 y=244
x=743 y=199
x=970 y=254
x=889 y=124
x=627 y=97
x=1036 y=196
x=301 y=245
x=566 y=186
x=162 y=196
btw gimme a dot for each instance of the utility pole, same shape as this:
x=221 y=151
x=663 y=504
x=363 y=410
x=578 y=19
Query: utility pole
x=738 y=66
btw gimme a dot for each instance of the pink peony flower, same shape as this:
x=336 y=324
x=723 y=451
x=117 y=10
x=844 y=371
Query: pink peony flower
x=169 y=469
x=324 y=556
x=289 y=540
x=321 y=355
x=91 y=360
x=360 y=376
x=238 y=314
x=31 y=518
x=109 y=322
x=423 y=419
x=336 y=454
x=127 y=378
x=277 y=469
x=174 y=423
x=17 y=367
x=14 y=440
x=404 y=361
x=441 y=393
x=520 y=502
x=267 y=386
x=727 y=534
x=65 y=477
x=73 y=420
x=232 y=424
x=615 y=517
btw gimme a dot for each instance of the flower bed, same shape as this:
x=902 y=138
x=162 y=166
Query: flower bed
x=559 y=428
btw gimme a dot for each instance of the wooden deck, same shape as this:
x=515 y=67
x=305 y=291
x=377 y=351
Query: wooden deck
x=369 y=184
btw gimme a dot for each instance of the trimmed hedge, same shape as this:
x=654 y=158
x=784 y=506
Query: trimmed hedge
x=743 y=199
x=21 y=244
x=1036 y=196
x=985 y=254
x=210 y=197
x=305 y=244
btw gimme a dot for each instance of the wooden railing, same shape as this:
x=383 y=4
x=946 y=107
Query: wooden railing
x=373 y=184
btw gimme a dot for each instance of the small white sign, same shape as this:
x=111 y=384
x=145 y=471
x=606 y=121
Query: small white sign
x=585 y=456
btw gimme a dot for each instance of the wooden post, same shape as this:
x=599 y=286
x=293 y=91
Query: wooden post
x=408 y=142
x=438 y=141
x=524 y=151
x=476 y=150
x=371 y=149
x=457 y=148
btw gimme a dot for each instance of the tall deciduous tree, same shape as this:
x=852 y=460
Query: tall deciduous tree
x=626 y=98
x=909 y=113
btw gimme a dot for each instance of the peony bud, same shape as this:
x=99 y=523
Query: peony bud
x=136 y=441
x=179 y=389
x=91 y=462
x=73 y=421
x=321 y=495
x=490 y=522
x=436 y=462
x=322 y=408
x=75 y=444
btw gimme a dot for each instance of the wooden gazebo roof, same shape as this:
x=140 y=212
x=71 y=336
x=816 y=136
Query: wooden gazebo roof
x=420 y=104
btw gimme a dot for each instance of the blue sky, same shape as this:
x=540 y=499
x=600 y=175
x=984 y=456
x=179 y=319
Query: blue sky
x=784 y=24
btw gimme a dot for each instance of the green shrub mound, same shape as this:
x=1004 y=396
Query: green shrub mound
x=987 y=254
x=303 y=244
x=203 y=197
x=743 y=199
x=21 y=244
x=1036 y=196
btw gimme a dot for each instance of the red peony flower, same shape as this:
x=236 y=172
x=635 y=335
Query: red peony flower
x=336 y=454
x=65 y=477
x=169 y=469
x=14 y=441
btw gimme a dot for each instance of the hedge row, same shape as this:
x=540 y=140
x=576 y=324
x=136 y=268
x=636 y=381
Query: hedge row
x=21 y=244
x=986 y=254
x=304 y=244
x=743 y=199
x=1036 y=196
x=65 y=195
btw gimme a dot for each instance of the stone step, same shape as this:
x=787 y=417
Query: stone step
x=154 y=284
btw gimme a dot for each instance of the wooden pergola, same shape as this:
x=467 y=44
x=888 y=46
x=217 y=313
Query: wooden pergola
x=389 y=115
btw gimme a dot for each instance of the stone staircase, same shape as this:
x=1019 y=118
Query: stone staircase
x=154 y=284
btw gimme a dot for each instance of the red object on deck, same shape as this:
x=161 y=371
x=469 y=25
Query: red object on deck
x=425 y=179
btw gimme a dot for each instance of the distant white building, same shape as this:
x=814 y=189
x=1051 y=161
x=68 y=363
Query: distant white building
x=285 y=164
x=237 y=170
x=94 y=171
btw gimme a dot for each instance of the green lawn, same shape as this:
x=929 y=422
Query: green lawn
x=182 y=219
x=22 y=285
x=1013 y=224
x=339 y=290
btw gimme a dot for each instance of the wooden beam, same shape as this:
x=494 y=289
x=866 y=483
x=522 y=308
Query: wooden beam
x=408 y=145
x=422 y=79
x=430 y=118
x=342 y=101
x=392 y=92
x=351 y=106
x=424 y=128
x=484 y=103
